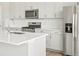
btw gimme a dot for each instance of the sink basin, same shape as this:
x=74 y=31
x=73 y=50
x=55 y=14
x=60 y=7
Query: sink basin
x=17 y=32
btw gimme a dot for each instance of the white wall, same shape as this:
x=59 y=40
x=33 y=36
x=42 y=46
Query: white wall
x=5 y=12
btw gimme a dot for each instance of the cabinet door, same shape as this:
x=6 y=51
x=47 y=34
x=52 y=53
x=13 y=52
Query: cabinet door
x=45 y=12
x=68 y=44
x=48 y=39
x=57 y=41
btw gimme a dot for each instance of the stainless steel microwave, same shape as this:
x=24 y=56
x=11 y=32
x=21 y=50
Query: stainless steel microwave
x=31 y=14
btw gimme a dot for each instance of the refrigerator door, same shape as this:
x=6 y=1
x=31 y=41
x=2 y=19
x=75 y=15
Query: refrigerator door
x=77 y=27
x=69 y=18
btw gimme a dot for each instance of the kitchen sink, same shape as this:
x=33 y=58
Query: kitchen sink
x=17 y=32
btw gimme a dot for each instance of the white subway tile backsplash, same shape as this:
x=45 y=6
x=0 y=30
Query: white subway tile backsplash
x=46 y=24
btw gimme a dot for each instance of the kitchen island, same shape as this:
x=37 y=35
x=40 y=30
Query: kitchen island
x=23 y=44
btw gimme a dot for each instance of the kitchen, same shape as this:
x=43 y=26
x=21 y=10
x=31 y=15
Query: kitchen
x=36 y=17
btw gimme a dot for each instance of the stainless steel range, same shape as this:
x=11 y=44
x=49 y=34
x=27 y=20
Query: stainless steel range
x=34 y=24
x=31 y=26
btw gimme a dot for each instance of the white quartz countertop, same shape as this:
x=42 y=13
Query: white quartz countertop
x=18 y=39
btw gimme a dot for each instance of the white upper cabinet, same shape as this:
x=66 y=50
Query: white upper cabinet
x=45 y=10
x=16 y=10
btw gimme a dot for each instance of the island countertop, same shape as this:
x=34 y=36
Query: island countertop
x=22 y=37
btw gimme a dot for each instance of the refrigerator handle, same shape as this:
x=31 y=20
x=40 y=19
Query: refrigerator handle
x=73 y=34
x=74 y=31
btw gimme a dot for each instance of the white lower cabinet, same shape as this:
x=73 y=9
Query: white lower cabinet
x=48 y=38
x=54 y=40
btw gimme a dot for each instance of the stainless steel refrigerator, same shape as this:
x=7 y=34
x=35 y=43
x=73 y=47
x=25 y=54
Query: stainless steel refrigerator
x=71 y=30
